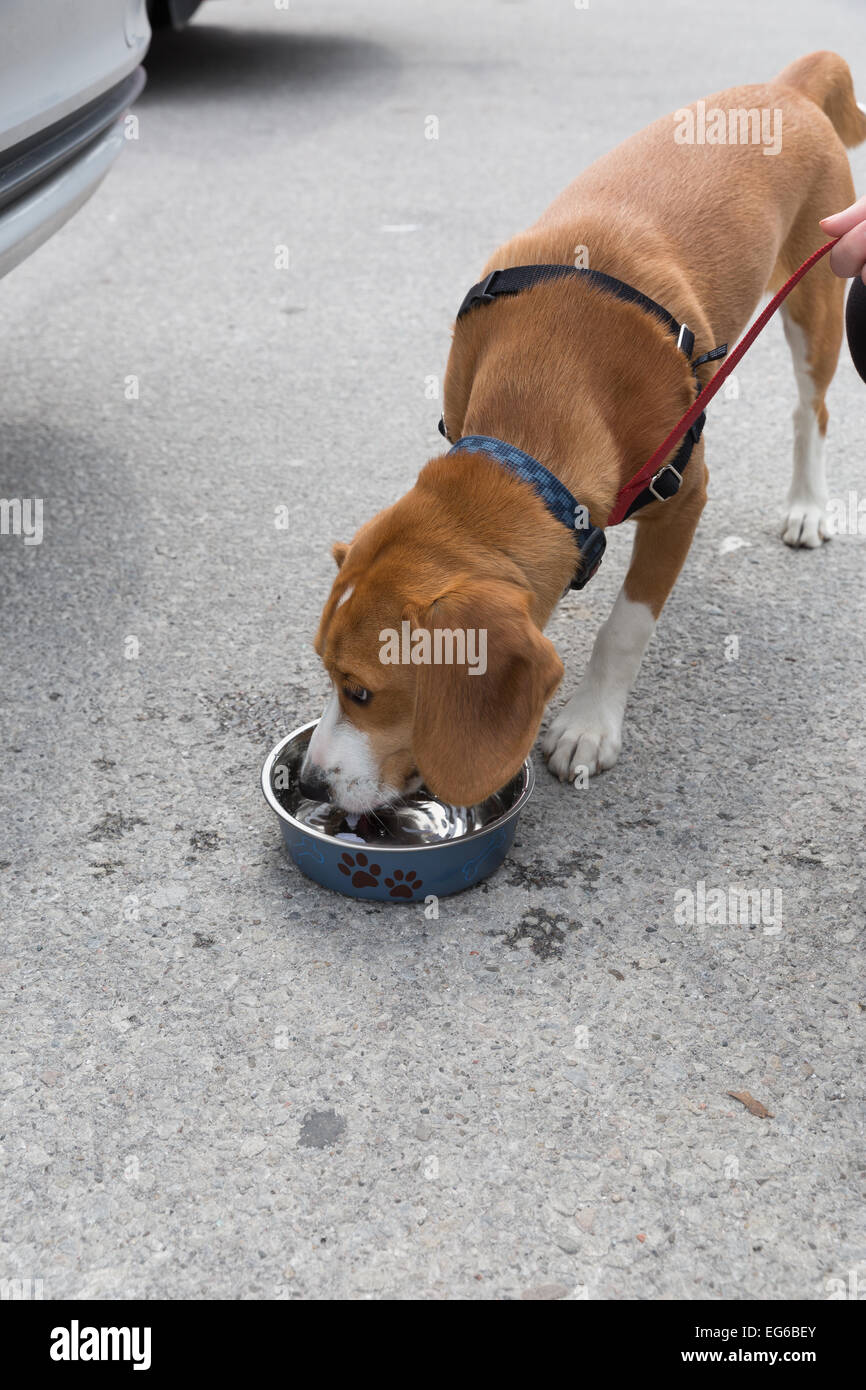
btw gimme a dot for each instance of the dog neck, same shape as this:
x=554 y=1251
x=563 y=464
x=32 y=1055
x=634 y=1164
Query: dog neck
x=505 y=530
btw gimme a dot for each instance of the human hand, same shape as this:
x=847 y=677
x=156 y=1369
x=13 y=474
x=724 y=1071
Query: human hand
x=848 y=256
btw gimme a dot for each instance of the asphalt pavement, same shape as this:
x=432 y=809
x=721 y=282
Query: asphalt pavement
x=221 y=1081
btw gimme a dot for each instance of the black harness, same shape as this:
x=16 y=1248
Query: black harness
x=668 y=479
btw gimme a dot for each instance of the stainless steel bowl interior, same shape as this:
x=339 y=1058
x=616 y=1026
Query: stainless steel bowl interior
x=418 y=821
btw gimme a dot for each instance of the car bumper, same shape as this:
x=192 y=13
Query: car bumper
x=47 y=178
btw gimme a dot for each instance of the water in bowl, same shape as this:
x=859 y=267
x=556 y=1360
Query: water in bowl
x=418 y=819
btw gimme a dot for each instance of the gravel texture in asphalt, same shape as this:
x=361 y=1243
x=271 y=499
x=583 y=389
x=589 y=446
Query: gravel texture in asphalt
x=222 y=1081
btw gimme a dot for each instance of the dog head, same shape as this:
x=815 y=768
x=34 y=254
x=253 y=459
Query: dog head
x=439 y=673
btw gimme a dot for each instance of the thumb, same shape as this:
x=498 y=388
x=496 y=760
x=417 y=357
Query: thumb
x=841 y=222
x=848 y=256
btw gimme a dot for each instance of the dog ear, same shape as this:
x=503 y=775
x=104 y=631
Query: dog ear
x=339 y=550
x=472 y=731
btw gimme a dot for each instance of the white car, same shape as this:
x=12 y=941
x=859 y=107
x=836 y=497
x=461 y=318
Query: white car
x=69 y=71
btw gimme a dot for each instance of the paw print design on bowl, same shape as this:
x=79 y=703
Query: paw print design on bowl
x=419 y=847
x=359 y=870
x=404 y=885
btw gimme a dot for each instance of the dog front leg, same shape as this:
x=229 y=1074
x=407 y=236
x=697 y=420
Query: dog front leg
x=586 y=735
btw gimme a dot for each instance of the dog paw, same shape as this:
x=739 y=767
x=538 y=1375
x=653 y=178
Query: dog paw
x=805 y=525
x=586 y=736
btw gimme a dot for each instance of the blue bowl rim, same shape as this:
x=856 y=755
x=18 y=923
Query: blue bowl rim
x=528 y=772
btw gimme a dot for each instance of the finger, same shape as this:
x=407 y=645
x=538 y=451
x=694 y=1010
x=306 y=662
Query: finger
x=842 y=222
x=848 y=256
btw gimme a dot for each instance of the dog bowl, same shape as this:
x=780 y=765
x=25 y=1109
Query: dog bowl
x=401 y=853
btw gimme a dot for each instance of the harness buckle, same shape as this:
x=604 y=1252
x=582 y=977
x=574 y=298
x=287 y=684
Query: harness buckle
x=686 y=340
x=479 y=294
x=663 y=496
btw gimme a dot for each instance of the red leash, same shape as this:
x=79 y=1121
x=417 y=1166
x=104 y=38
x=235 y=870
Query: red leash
x=651 y=467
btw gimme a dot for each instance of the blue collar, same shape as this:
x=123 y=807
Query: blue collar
x=554 y=494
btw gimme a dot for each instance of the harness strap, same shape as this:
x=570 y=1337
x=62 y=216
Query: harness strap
x=656 y=480
x=524 y=277
x=652 y=471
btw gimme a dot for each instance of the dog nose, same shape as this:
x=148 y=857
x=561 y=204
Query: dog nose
x=312 y=784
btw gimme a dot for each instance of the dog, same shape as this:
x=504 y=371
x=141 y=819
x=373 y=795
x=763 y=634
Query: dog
x=588 y=385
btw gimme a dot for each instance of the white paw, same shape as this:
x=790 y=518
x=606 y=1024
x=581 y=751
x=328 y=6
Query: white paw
x=806 y=524
x=585 y=735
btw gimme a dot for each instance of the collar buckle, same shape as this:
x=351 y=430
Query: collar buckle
x=591 y=545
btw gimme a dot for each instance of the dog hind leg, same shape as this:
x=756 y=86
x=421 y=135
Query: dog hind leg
x=812 y=319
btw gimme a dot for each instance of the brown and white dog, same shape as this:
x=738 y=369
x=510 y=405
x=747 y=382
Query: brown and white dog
x=589 y=386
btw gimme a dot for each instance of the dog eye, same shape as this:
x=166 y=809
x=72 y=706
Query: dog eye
x=357 y=694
